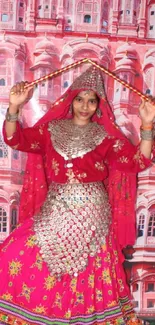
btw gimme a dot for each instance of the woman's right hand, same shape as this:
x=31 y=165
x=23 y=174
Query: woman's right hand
x=19 y=96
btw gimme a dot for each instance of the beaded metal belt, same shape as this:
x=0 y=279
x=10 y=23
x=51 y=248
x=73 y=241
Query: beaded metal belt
x=72 y=225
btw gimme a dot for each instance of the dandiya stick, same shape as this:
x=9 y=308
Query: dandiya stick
x=86 y=60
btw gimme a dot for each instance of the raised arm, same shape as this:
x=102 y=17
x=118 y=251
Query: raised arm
x=27 y=139
x=147 y=114
x=16 y=100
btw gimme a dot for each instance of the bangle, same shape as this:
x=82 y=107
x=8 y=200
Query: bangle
x=149 y=127
x=11 y=117
x=146 y=134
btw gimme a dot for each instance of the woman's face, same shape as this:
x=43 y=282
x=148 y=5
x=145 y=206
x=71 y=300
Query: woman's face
x=84 y=107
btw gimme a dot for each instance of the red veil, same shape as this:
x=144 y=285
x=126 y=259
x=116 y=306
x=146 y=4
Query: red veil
x=121 y=185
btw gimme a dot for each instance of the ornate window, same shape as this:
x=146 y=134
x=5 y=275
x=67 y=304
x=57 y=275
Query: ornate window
x=3 y=220
x=47 y=10
x=87 y=12
x=5 y=70
x=4 y=18
x=149 y=80
x=87 y=19
x=151 y=226
x=141 y=224
x=2 y=82
x=3 y=148
x=15 y=154
x=105 y=15
x=13 y=218
x=151 y=21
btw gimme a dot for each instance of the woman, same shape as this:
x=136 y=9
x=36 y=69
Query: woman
x=63 y=264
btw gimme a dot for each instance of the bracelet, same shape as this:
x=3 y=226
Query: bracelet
x=149 y=127
x=11 y=117
x=146 y=134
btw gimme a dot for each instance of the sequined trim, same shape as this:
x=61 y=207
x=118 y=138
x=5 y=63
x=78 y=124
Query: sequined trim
x=90 y=79
x=73 y=224
x=72 y=141
x=13 y=314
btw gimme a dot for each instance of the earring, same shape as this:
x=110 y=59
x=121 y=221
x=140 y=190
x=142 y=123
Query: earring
x=70 y=112
x=98 y=113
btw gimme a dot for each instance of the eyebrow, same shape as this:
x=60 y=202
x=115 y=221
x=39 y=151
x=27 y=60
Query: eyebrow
x=89 y=98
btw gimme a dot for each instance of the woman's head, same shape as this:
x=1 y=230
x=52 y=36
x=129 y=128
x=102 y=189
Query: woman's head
x=84 y=106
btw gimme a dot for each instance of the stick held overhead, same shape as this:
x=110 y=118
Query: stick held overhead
x=86 y=60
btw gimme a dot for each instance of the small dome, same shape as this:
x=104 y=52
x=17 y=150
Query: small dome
x=125 y=62
x=45 y=45
x=43 y=57
x=126 y=49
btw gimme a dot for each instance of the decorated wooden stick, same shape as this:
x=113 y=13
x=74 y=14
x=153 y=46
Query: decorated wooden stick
x=73 y=65
x=111 y=74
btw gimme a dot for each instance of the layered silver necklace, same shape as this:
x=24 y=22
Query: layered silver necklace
x=71 y=140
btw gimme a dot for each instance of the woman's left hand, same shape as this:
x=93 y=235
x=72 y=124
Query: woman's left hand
x=147 y=111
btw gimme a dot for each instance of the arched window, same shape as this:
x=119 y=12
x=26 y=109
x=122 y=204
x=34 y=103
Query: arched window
x=149 y=79
x=87 y=19
x=151 y=226
x=13 y=219
x=148 y=91
x=3 y=220
x=141 y=225
x=2 y=82
x=15 y=154
x=66 y=84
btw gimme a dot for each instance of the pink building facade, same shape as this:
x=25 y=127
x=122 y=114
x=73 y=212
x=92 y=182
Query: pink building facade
x=40 y=36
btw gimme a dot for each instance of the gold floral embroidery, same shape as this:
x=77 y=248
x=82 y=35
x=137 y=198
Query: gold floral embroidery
x=38 y=263
x=90 y=310
x=123 y=160
x=98 y=262
x=58 y=300
x=71 y=176
x=99 y=166
x=138 y=158
x=40 y=309
x=7 y=296
x=118 y=145
x=31 y=241
x=15 y=267
x=107 y=258
x=99 y=295
x=91 y=280
x=121 y=284
x=55 y=167
x=79 y=298
x=112 y=303
x=35 y=145
x=106 y=276
x=73 y=284
x=26 y=292
x=68 y=314
x=49 y=282
x=80 y=176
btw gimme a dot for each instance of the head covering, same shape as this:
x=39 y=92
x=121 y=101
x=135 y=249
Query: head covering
x=35 y=185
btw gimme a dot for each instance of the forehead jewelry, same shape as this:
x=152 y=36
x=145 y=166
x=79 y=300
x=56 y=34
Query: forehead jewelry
x=87 y=92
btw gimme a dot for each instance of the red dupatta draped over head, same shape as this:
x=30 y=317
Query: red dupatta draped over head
x=121 y=186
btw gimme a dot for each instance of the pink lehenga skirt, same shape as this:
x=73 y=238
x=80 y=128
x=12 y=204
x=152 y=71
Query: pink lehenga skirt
x=63 y=266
